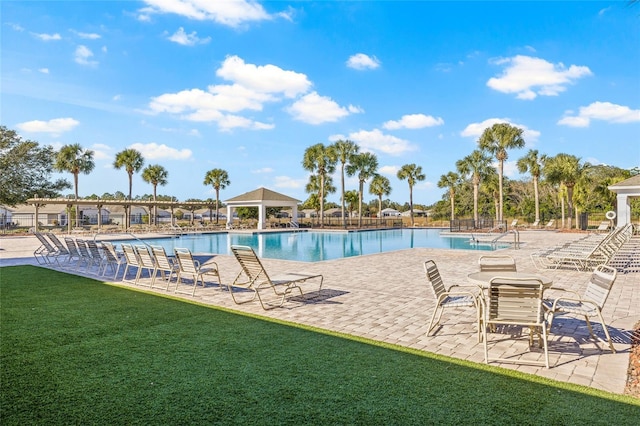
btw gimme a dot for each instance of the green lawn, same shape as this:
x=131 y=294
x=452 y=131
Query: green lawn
x=77 y=351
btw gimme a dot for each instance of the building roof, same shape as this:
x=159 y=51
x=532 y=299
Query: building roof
x=261 y=194
x=633 y=181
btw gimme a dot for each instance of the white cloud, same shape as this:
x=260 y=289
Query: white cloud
x=117 y=97
x=101 y=151
x=475 y=130
x=262 y=170
x=83 y=56
x=47 y=37
x=529 y=77
x=413 y=121
x=289 y=182
x=228 y=122
x=15 y=27
x=375 y=140
x=263 y=78
x=54 y=126
x=360 y=61
x=153 y=151
x=229 y=13
x=315 y=109
x=194 y=132
x=510 y=168
x=44 y=70
x=389 y=170
x=181 y=37
x=88 y=36
x=605 y=111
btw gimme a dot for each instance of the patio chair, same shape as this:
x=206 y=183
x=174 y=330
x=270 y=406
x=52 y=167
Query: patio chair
x=551 y=224
x=497 y=263
x=604 y=226
x=62 y=250
x=111 y=259
x=447 y=297
x=515 y=302
x=96 y=254
x=132 y=261
x=45 y=252
x=514 y=223
x=85 y=255
x=187 y=265
x=590 y=304
x=147 y=261
x=254 y=278
x=163 y=265
x=74 y=253
x=535 y=224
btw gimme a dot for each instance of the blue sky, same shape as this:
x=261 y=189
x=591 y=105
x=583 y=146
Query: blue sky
x=247 y=86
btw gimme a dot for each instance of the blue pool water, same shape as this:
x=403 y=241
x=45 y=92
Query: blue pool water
x=315 y=246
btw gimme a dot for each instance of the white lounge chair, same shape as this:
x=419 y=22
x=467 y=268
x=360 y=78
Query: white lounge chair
x=190 y=267
x=254 y=279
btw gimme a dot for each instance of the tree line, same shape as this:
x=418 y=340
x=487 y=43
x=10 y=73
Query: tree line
x=559 y=185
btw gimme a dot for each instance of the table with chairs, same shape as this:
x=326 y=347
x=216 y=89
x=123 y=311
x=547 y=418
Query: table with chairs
x=507 y=302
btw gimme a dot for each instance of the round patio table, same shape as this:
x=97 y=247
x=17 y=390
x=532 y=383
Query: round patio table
x=482 y=279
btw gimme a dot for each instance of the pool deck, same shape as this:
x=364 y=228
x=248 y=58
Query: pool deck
x=385 y=297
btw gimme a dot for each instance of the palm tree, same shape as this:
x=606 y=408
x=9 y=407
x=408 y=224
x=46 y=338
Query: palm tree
x=564 y=169
x=320 y=160
x=533 y=164
x=365 y=165
x=451 y=181
x=313 y=187
x=496 y=140
x=380 y=186
x=478 y=165
x=155 y=175
x=344 y=151
x=351 y=198
x=412 y=174
x=132 y=161
x=219 y=179
x=75 y=160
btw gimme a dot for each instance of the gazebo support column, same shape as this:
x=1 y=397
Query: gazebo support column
x=624 y=209
x=262 y=214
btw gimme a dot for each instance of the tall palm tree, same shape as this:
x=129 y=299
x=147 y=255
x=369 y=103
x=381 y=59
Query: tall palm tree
x=75 y=160
x=451 y=181
x=219 y=179
x=564 y=169
x=478 y=165
x=532 y=163
x=313 y=187
x=497 y=139
x=365 y=165
x=344 y=151
x=320 y=160
x=132 y=161
x=156 y=175
x=412 y=174
x=380 y=186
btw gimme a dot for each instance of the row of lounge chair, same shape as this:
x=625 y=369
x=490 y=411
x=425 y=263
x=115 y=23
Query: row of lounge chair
x=510 y=301
x=143 y=265
x=585 y=253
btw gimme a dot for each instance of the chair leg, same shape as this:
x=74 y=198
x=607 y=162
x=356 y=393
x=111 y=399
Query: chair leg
x=431 y=323
x=606 y=332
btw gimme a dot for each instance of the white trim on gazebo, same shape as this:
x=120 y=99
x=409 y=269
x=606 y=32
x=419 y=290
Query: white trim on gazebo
x=625 y=191
x=261 y=198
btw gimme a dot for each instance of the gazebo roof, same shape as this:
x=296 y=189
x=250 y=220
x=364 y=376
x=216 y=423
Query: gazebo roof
x=260 y=195
x=632 y=182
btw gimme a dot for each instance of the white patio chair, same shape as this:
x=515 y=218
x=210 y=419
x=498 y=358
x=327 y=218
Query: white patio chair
x=191 y=267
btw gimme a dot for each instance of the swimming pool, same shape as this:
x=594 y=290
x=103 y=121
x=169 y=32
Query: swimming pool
x=314 y=246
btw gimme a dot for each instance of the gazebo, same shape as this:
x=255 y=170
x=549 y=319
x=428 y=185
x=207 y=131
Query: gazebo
x=261 y=198
x=625 y=191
